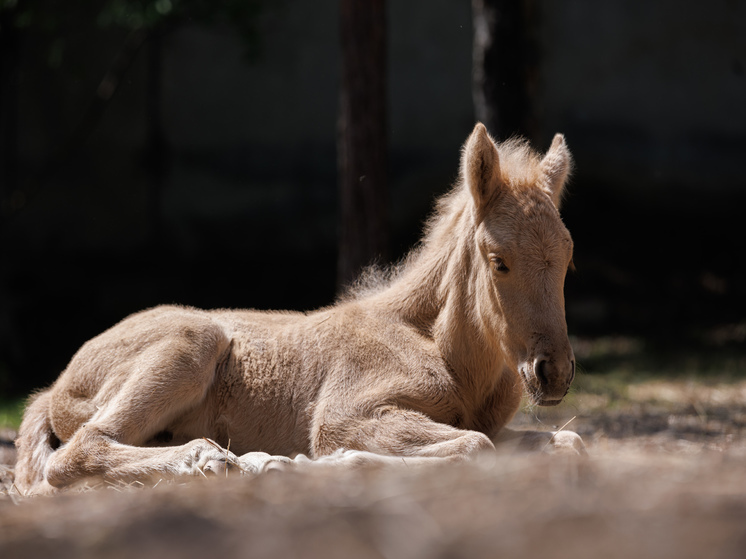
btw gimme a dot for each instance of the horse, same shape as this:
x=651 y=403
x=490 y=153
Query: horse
x=429 y=364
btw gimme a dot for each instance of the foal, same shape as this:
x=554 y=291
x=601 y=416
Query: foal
x=430 y=365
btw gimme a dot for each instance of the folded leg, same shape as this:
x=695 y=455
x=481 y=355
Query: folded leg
x=392 y=431
x=541 y=441
x=163 y=383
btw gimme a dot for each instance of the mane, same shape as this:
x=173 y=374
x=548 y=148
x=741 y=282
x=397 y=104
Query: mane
x=519 y=168
x=520 y=165
x=377 y=277
x=373 y=279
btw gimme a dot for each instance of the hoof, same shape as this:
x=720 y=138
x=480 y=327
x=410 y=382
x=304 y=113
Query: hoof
x=218 y=467
x=567 y=442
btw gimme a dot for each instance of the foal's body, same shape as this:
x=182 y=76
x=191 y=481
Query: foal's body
x=432 y=364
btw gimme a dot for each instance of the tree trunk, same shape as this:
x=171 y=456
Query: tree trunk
x=361 y=141
x=505 y=66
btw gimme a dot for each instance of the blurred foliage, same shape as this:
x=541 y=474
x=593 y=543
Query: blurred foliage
x=11 y=412
x=59 y=19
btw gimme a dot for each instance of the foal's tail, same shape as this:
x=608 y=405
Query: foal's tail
x=34 y=443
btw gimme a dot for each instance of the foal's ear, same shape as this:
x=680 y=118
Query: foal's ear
x=555 y=168
x=480 y=166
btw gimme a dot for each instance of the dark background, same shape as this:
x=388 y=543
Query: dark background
x=209 y=177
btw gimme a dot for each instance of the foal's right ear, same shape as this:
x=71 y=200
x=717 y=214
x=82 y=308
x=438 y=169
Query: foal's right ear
x=555 y=168
x=480 y=167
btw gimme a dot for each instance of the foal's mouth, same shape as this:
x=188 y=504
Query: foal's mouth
x=537 y=397
x=534 y=389
x=548 y=403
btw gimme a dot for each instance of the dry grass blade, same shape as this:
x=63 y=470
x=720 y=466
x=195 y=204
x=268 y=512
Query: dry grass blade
x=573 y=418
x=228 y=449
x=12 y=494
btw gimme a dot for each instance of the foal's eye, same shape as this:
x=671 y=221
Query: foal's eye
x=498 y=264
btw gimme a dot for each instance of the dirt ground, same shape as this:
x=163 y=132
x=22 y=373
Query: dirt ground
x=665 y=477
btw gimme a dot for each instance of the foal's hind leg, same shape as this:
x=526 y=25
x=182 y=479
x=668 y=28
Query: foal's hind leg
x=163 y=382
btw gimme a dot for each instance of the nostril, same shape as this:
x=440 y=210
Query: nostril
x=540 y=371
x=572 y=371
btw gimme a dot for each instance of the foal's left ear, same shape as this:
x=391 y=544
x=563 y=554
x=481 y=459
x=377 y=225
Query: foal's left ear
x=555 y=168
x=480 y=167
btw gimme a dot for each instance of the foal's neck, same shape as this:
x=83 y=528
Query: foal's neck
x=438 y=293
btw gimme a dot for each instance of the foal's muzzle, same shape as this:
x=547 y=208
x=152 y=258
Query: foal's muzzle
x=547 y=380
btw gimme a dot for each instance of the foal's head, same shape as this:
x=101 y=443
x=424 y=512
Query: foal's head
x=524 y=251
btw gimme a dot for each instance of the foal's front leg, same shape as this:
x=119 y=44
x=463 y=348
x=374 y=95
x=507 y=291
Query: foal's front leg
x=566 y=442
x=392 y=431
